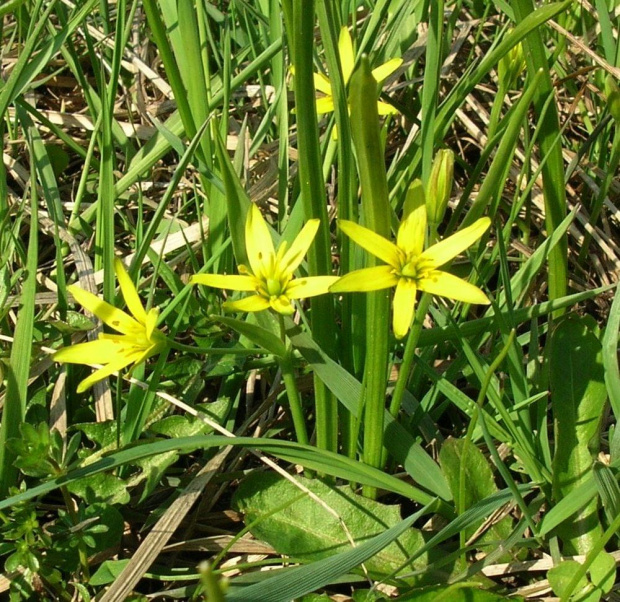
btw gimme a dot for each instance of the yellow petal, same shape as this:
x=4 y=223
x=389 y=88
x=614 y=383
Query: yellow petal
x=232 y=282
x=294 y=256
x=321 y=83
x=102 y=373
x=101 y=351
x=385 y=70
x=130 y=294
x=372 y=242
x=452 y=246
x=282 y=305
x=142 y=357
x=404 y=306
x=324 y=105
x=448 y=285
x=113 y=317
x=347 y=56
x=302 y=288
x=253 y=303
x=151 y=322
x=384 y=108
x=258 y=243
x=363 y=281
x=412 y=230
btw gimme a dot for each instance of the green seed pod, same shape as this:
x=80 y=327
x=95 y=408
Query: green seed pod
x=510 y=66
x=439 y=186
x=613 y=97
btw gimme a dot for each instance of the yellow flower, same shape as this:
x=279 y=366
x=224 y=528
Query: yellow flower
x=270 y=275
x=410 y=268
x=325 y=104
x=139 y=339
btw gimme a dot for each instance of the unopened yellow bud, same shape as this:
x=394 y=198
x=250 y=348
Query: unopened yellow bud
x=613 y=97
x=439 y=186
x=510 y=66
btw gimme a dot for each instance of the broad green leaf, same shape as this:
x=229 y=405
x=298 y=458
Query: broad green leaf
x=297 y=525
x=182 y=425
x=599 y=581
x=478 y=483
x=603 y=572
x=560 y=576
x=578 y=397
x=108 y=572
x=305 y=579
x=102 y=487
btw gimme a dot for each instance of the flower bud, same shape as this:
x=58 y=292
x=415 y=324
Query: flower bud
x=439 y=186
x=510 y=66
x=613 y=98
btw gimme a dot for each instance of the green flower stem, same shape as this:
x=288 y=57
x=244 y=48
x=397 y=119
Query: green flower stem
x=294 y=399
x=410 y=348
x=313 y=197
x=376 y=210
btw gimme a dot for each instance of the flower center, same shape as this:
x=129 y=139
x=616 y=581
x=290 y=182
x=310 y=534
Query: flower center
x=410 y=270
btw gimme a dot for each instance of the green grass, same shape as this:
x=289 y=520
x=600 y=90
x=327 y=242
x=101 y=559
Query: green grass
x=349 y=460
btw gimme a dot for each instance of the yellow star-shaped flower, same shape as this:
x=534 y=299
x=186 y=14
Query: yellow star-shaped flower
x=270 y=274
x=325 y=104
x=139 y=339
x=410 y=268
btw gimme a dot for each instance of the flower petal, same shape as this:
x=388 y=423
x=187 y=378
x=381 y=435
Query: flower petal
x=321 y=83
x=452 y=246
x=385 y=70
x=130 y=294
x=372 y=242
x=412 y=230
x=404 y=306
x=232 y=282
x=113 y=317
x=294 y=256
x=282 y=305
x=102 y=373
x=302 y=288
x=151 y=322
x=258 y=243
x=363 y=281
x=144 y=355
x=324 y=105
x=448 y=285
x=101 y=351
x=384 y=108
x=253 y=303
x=347 y=56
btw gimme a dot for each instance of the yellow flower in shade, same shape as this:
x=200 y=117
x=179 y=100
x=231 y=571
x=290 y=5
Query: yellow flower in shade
x=410 y=268
x=139 y=339
x=325 y=104
x=270 y=274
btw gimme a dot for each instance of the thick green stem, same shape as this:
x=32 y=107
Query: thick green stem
x=376 y=210
x=314 y=200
